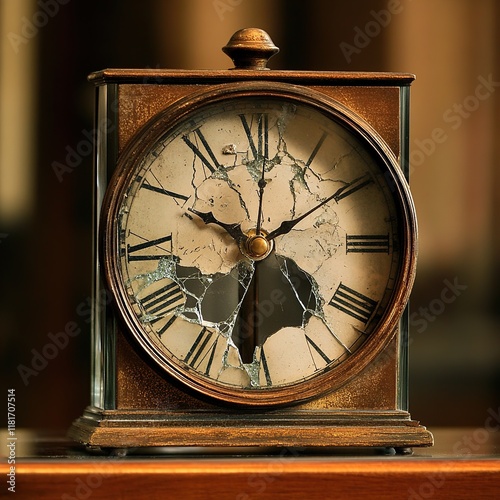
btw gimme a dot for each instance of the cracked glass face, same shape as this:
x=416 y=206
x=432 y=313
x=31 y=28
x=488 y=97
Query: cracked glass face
x=258 y=244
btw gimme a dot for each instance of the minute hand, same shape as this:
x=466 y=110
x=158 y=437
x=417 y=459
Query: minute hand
x=287 y=225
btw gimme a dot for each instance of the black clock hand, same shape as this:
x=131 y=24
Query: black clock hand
x=262 y=185
x=246 y=333
x=287 y=225
x=249 y=337
x=234 y=230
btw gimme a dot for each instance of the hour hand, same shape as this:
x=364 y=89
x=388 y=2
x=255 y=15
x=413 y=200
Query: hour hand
x=234 y=230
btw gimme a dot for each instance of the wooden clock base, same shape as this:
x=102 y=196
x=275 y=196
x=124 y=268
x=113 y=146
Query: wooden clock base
x=132 y=428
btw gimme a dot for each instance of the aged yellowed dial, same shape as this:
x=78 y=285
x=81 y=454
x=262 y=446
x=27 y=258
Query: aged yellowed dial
x=260 y=244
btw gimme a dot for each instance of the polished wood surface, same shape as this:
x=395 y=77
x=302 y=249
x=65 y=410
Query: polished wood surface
x=464 y=463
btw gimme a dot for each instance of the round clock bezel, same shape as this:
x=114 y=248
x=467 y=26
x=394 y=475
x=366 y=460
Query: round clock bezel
x=166 y=122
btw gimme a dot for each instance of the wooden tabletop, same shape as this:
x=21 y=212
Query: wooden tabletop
x=464 y=463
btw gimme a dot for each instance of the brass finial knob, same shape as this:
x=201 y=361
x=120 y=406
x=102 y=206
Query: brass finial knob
x=250 y=48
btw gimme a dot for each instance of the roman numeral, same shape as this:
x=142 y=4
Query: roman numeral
x=367 y=243
x=353 y=303
x=162 y=301
x=132 y=249
x=211 y=162
x=198 y=348
x=164 y=191
x=166 y=326
x=316 y=148
x=265 y=367
x=159 y=188
x=261 y=150
x=318 y=350
x=352 y=187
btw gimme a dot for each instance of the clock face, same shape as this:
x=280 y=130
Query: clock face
x=259 y=246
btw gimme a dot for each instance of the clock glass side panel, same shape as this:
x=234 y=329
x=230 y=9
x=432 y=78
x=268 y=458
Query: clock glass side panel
x=212 y=300
x=103 y=345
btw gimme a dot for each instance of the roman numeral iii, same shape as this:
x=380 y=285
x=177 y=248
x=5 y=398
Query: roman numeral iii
x=367 y=243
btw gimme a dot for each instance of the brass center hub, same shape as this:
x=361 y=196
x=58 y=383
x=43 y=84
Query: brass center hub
x=256 y=246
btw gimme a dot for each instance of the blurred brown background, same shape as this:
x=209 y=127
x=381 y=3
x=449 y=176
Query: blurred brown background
x=48 y=47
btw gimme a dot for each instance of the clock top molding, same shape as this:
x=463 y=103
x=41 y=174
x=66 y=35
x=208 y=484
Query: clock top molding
x=375 y=96
x=250 y=49
x=159 y=76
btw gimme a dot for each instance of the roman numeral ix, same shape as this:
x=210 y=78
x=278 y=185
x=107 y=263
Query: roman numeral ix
x=166 y=192
x=133 y=251
x=157 y=187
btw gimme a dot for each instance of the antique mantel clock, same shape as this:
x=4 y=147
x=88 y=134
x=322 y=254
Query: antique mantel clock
x=255 y=248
